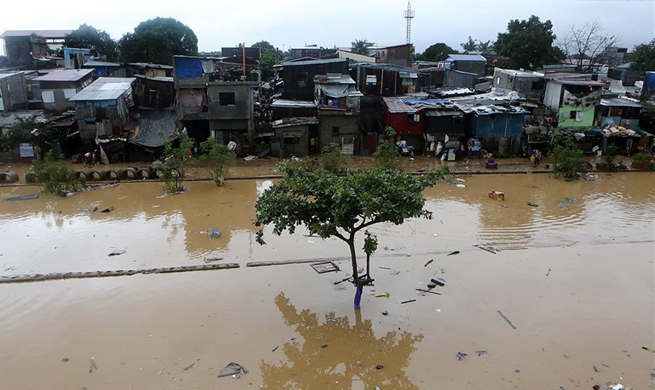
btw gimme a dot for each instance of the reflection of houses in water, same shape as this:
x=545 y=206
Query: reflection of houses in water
x=351 y=355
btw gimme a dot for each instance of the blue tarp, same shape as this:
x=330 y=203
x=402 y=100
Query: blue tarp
x=187 y=68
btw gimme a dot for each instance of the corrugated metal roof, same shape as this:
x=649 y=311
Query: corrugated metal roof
x=333 y=79
x=104 y=88
x=395 y=105
x=295 y=121
x=466 y=58
x=156 y=78
x=279 y=103
x=94 y=64
x=519 y=73
x=148 y=65
x=65 y=75
x=3 y=75
x=587 y=83
x=42 y=33
x=619 y=102
x=315 y=62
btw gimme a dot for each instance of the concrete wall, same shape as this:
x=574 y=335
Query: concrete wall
x=348 y=125
x=293 y=146
x=240 y=108
x=479 y=68
x=529 y=87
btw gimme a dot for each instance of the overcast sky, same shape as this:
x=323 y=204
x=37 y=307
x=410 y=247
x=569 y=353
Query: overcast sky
x=331 y=23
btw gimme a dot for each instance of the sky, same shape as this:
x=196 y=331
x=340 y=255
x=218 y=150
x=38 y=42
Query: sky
x=330 y=23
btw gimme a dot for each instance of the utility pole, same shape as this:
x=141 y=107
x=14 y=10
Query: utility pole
x=409 y=15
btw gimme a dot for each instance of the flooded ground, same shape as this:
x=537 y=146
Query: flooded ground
x=575 y=277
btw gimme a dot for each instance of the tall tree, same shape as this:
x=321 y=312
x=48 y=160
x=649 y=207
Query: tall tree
x=265 y=46
x=88 y=37
x=485 y=47
x=469 y=45
x=587 y=45
x=437 y=52
x=157 y=41
x=271 y=55
x=361 y=46
x=643 y=57
x=528 y=43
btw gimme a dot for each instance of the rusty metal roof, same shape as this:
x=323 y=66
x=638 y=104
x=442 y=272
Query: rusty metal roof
x=396 y=105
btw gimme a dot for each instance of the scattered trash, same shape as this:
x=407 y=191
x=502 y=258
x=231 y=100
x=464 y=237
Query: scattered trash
x=480 y=353
x=428 y=263
x=497 y=195
x=190 y=366
x=566 y=356
x=562 y=205
x=359 y=364
x=432 y=285
x=385 y=268
x=532 y=204
x=108 y=210
x=618 y=387
x=232 y=369
x=517 y=370
x=381 y=295
x=395 y=272
x=596 y=387
x=605 y=365
x=275 y=349
x=461 y=355
x=342 y=280
x=460 y=186
x=410 y=301
x=324 y=346
x=92 y=365
x=595 y=369
x=65 y=360
x=22 y=197
x=507 y=320
x=453 y=253
x=117 y=252
x=384 y=312
x=331 y=320
x=438 y=282
x=213 y=233
x=648 y=349
x=379 y=367
x=487 y=248
x=428 y=291
x=325 y=267
x=548 y=271
x=249 y=158
x=435 y=235
x=208 y=260
x=574 y=200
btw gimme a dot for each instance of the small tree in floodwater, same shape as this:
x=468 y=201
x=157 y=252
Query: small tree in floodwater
x=54 y=175
x=567 y=159
x=216 y=156
x=171 y=171
x=386 y=154
x=340 y=206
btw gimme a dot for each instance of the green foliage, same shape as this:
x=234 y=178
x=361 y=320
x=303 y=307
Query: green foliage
x=643 y=158
x=268 y=59
x=332 y=159
x=469 y=45
x=99 y=41
x=216 y=156
x=340 y=206
x=567 y=159
x=528 y=43
x=610 y=155
x=25 y=129
x=437 y=52
x=386 y=154
x=361 y=46
x=643 y=57
x=54 y=176
x=158 y=40
x=171 y=172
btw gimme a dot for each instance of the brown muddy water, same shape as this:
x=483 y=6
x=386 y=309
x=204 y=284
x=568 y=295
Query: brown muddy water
x=575 y=277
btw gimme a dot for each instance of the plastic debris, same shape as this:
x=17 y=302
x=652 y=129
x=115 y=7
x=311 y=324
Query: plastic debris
x=460 y=186
x=108 y=210
x=214 y=233
x=453 y=253
x=385 y=313
x=232 y=369
x=249 y=158
x=480 y=353
x=409 y=301
x=487 y=248
x=438 y=282
x=208 y=260
x=461 y=355
x=618 y=387
x=116 y=252
x=507 y=320
x=532 y=204
x=428 y=263
x=381 y=295
x=562 y=205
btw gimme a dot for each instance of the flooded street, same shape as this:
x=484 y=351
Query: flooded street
x=575 y=276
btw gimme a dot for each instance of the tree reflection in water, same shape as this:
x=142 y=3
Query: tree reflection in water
x=347 y=362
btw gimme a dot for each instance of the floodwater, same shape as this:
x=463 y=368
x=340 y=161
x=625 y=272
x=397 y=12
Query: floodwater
x=575 y=276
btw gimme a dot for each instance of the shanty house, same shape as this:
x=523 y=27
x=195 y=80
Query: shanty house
x=472 y=63
x=387 y=79
x=209 y=104
x=400 y=55
x=529 y=85
x=443 y=118
x=154 y=92
x=13 y=91
x=499 y=127
x=338 y=104
x=21 y=46
x=105 y=69
x=58 y=86
x=618 y=111
x=299 y=76
x=406 y=120
x=148 y=69
x=103 y=107
x=573 y=100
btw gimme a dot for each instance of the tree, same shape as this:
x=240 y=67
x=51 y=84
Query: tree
x=54 y=175
x=643 y=57
x=171 y=172
x=485 y=47
x=528 y=43
x=386 y=154
x=470 y=45
x=157 y=41
x=361 y=46
x=265 y=46
x=567 y=159
x=216 y=156
x=587 y=46
x=88 y=37
x=340 y=206
x=332 y=159
x=437 y=52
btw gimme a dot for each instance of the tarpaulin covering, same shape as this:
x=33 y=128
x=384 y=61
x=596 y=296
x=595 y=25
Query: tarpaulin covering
x=150 y=125
x=335 y=91
x=186 y=68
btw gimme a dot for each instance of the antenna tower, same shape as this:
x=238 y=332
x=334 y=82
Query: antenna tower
x=409 y=15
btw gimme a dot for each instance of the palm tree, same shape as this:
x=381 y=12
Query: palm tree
x=469 y=46
x=361 y=46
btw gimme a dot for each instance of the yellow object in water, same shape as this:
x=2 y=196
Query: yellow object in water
x=381 y=295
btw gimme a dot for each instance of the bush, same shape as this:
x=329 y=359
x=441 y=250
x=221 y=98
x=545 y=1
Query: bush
x=333 y=160
x=54 y=176
x=216 y=156
x=643 y=158
x=567 y=159
x=386 y=154
x=171 y=171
